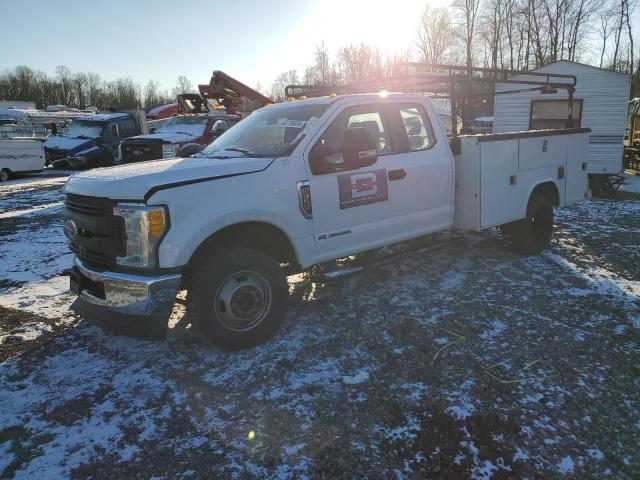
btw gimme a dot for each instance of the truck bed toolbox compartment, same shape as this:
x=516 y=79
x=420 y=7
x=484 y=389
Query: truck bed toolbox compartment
x=495 y=174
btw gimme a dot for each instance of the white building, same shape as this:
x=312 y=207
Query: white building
x=600 y=103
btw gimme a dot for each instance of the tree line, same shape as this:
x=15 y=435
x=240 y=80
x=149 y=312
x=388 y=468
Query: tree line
x=82 y=90
x=512 y=34
x=508 y=34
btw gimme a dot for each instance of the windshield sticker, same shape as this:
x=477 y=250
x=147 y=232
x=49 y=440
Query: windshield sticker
x=362 y=188
x=283 y=122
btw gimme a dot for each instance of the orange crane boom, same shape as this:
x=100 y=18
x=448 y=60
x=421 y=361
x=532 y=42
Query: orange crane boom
x=228 y=91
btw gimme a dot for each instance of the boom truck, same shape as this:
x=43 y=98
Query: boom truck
x=200 y=120
x=331 y=174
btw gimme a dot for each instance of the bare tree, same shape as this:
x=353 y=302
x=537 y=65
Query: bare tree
x=183 y=85
x=311 y=76
x=79 y=82
x=93 y=88
x=152 y=97
x=322 y=63
x=630 y=9
x=468 y=10
x=605 y=18
x=290 y=77
x=64 y=78
x=494 y=19
x=434 y=34
x=578 y=17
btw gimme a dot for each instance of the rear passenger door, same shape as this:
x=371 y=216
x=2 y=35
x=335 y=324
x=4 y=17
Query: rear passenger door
x=428 y=186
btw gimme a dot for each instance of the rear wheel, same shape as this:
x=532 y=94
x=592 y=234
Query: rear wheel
x=237 y=297
x=5 y=174
x=532 y=234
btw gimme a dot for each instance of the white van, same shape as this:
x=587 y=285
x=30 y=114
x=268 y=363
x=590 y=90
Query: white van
x=20 y=155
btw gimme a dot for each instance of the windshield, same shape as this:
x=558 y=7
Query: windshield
x=84 y=128
x=193 y=126
x=269 y=132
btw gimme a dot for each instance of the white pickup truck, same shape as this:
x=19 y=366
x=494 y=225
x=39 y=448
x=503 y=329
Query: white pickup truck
x=293 y=185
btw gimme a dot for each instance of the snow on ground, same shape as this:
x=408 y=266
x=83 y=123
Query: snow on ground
x=631 y=183
x=463 y=360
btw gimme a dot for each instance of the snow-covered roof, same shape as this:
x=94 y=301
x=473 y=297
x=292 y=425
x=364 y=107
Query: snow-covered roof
x=583 y=66
x=105 y=117
x=160 y=108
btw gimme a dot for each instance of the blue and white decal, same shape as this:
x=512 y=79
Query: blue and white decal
x=362 y=188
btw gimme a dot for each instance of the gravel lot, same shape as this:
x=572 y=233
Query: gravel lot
x=456 y=360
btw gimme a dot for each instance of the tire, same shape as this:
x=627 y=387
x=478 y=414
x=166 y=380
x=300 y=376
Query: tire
x=532 y=234
x=5 y=174
x=237 y=297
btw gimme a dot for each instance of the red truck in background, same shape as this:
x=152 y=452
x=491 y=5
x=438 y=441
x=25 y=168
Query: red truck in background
x=163 y=111
x=199 y=121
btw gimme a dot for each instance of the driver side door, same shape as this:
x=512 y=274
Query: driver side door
x=362 y=208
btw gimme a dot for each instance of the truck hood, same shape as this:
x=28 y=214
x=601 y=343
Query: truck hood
x=136 y=181
x=58 y=142
x=164 y=137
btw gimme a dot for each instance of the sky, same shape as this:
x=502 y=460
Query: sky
x=250 y=40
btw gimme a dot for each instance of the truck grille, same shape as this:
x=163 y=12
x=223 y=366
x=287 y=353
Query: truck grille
x=97 y=236
x=52 y=155
x=91 y=256
x=140 y=152
x=85 y=205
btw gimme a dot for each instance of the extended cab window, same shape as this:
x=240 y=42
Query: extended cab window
x=326 y=154
x=417 y=127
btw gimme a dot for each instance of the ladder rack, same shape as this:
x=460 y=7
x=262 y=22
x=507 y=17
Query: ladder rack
x=458 y=83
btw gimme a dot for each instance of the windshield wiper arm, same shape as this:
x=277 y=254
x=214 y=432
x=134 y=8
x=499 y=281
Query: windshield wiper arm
x=242 y=150
x=187 y=133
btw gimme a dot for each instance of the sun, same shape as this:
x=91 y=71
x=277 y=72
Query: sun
x=389 y=26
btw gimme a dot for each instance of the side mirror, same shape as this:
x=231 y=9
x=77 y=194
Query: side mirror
x=152 y=130
x=188 y=149
x=218 y=130
x=359 y=148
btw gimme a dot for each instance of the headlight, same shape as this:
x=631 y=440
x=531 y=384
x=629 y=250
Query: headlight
x=144 y=228
x=169 y=150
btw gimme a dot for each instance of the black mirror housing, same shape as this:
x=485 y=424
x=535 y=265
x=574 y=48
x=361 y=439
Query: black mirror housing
x=359 y=148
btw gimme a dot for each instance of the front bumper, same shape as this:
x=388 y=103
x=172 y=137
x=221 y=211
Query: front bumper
x=137 y=304
x=77 y=162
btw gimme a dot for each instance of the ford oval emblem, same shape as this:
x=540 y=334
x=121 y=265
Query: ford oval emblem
x=70 y=228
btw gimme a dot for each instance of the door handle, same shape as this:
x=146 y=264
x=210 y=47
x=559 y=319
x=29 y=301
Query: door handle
x=397 y=174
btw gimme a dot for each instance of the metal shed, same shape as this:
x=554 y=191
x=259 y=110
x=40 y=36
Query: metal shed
x=600 y=103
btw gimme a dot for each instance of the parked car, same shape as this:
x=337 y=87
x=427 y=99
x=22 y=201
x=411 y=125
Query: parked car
x=90 y=141
x=293 y=185
x=198 y=130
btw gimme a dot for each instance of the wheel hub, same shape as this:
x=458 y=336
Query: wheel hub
x=243 y=300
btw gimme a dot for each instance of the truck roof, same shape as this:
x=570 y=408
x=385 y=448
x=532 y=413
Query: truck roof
x=105 y=117
x=326 y=100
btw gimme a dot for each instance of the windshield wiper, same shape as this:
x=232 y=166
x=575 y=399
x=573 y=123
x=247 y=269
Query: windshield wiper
x=187 y=133
x=242 y=150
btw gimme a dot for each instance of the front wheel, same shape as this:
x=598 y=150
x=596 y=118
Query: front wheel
x=5 y=175
x=532 y=234
x=237 y=297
